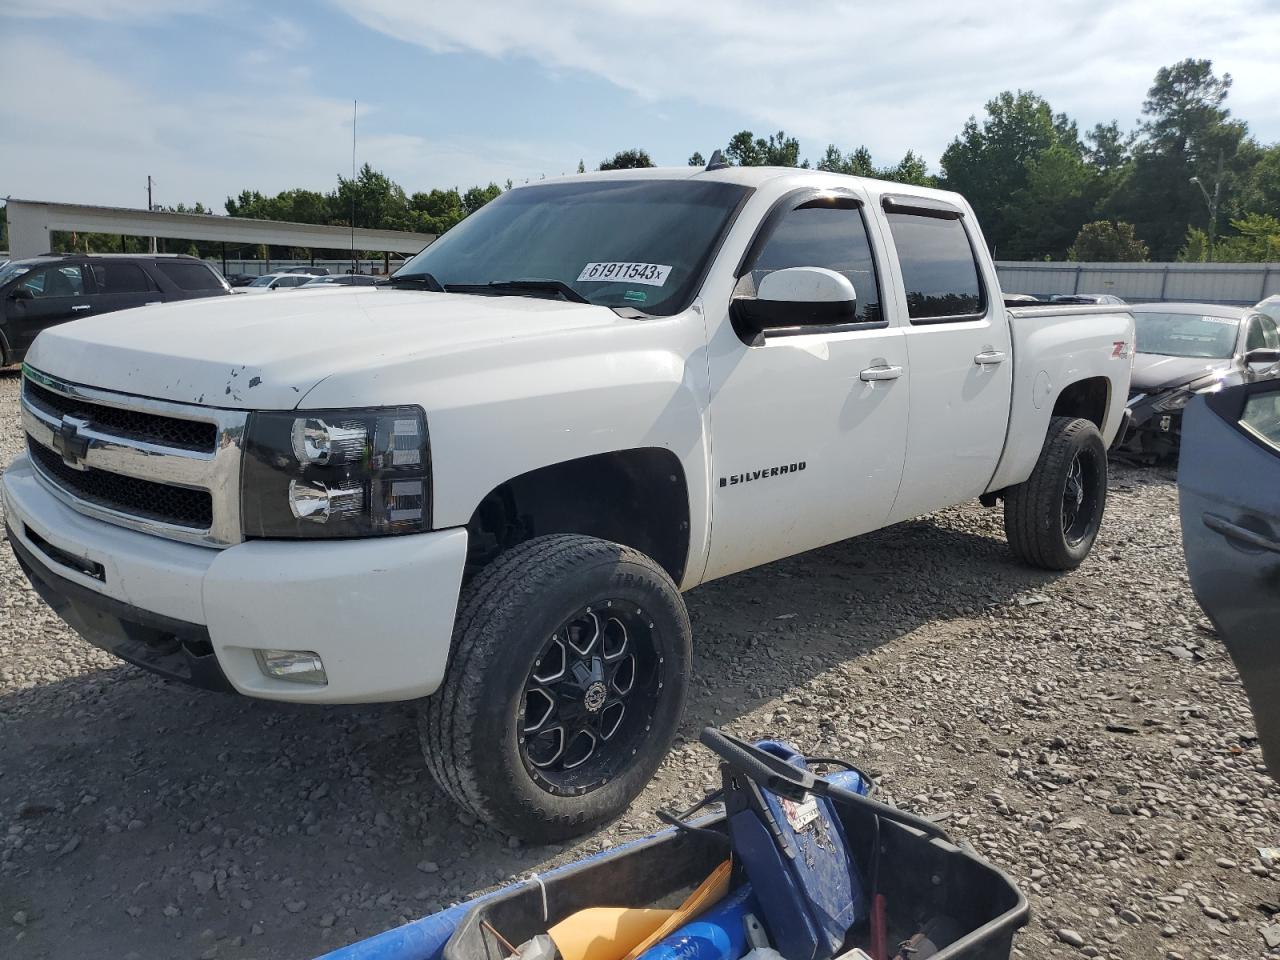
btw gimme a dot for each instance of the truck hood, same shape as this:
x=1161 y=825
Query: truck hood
x=1152 y=372
x=265 y=353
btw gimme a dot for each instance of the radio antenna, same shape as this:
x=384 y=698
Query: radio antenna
x=354 y=104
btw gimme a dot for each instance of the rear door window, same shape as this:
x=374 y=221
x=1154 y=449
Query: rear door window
x=939 y=270
x=189 y=276
x=120 y=277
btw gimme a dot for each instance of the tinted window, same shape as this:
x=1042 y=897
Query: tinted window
x=638 y=243
x=120 y=277
x=295 y=280
x=189 y=276
x=1271 y=333
x=1262 y=416
x=817 y=234
x=938 y=267
x=54 y=282
x=1186 y=334
x=1262 y=334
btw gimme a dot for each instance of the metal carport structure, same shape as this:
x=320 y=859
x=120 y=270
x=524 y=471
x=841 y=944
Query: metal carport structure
x=32 y=221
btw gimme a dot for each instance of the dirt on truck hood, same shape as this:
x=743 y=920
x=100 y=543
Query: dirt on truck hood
x=265 y=353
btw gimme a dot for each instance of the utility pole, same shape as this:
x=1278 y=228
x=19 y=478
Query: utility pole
x=1212 y=202
x=150 y=208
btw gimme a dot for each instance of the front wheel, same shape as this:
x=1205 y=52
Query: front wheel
x=1052 y=519
x=565 y=687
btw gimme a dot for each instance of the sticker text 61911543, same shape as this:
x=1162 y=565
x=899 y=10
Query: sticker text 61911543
x=652 y=274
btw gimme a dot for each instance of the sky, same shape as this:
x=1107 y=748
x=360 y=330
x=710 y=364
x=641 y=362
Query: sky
x=210 y=97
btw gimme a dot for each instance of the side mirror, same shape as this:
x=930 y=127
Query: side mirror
x=797 y=296
x=21 y=293
x=1261 y=359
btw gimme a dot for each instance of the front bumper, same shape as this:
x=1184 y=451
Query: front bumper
x=379 y=612
x=1150 y=432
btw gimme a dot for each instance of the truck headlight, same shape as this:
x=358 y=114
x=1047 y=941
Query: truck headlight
x=336 y=473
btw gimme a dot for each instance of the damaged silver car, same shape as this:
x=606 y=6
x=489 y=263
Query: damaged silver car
x=1184 y=349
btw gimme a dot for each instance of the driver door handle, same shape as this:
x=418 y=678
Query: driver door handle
x=1234 y=531
x=81 y=307
x=882 y=372
x=989 y=358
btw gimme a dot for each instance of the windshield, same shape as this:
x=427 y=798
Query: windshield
x=637 y=243
x=1186 y=335
x=1269 y=306
x=262 y=282
x=12 y=269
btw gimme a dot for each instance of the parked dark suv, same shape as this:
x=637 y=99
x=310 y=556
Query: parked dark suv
x=44 y=291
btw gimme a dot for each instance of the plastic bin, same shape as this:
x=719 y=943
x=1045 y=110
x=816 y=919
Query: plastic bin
x=921 y=878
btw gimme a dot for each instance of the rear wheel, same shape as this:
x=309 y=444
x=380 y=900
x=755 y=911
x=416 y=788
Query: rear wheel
x=565 y=687
x=1052 y=519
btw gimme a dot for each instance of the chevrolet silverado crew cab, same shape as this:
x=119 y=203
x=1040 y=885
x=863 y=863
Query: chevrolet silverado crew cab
x=486 y=482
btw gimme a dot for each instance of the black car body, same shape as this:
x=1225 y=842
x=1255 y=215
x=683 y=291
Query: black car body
x=1184 y=349
x=42 y=292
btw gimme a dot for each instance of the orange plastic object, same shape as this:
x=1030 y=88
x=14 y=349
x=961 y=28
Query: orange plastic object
x=605 y=933
x=710 y=892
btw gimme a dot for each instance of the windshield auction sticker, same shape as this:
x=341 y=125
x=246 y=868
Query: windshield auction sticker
x=652 y=274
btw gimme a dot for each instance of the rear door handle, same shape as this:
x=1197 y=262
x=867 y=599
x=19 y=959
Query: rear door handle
x=1234 y=531
x=882 y=372
x=81 y=307
x=989 y=358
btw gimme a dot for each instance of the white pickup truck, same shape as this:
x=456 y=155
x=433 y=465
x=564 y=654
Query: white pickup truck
x=487 y=482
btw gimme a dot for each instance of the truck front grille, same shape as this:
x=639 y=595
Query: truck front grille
x=166 y=431
x=139 y=498
x=163 y=468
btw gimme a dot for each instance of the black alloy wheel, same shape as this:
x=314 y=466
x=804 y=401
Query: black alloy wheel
x=1080 y=497
x=590 y=698
x=565 y=686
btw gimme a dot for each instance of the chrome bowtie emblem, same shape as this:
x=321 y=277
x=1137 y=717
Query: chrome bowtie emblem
x=69 y=441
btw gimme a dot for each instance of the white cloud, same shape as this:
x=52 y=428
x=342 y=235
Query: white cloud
x=133 y=10
x=207 y=146
x=892 y=76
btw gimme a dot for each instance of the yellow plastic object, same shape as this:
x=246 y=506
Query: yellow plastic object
x=711 y=891
x=605 y=933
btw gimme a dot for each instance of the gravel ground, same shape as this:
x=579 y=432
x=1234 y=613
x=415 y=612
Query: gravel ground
x=1085 y=732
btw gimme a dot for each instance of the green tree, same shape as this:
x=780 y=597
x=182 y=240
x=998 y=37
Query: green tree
x=477 y=197
x=910 y=169
x=745 y=149
x=435 y=211
x=1188 y=132
x=696 y=160
x=990 y=162
x=1109 y=149
x=856 y=164
x=1260 y=188
x=1256 y=239
x=582 y=167
x=627 y=160
x=1107 y=241
x=1045 y=215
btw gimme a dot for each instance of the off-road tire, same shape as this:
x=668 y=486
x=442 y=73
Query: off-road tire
x=1034 y=509
x=469 y=726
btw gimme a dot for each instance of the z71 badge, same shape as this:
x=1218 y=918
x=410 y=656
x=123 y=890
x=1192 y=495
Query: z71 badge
x=762 y=474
